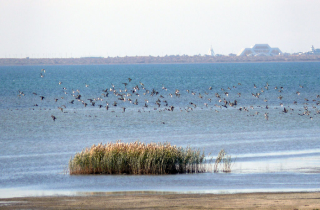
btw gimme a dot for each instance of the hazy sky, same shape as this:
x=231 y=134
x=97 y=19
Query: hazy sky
x=54 y=28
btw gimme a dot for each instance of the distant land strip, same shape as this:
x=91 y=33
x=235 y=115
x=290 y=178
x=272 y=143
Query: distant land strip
x=156 y=60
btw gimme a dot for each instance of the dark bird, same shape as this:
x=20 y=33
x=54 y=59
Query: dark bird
x=129 y=79
x=41 y=97
x=171 y=108
x=53 y=117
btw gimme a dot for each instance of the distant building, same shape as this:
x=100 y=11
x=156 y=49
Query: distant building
x=314 y=51
x=260 y=50
x=211 y=53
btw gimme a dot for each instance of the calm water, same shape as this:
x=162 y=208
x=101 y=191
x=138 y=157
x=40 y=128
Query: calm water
x=281 y=153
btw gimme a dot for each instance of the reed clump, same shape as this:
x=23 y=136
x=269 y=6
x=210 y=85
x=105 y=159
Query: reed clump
x=224 y=160
x=137 y=158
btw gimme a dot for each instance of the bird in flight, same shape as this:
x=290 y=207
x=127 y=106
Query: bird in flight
x=53 y=117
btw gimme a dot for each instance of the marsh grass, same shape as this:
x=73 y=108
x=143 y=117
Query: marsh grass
x=224 y=160
x=137 y=158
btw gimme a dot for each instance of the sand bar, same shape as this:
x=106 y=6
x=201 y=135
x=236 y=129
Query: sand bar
x=168 y=201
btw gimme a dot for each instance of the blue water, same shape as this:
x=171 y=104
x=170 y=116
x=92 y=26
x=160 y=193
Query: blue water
x=278 y=154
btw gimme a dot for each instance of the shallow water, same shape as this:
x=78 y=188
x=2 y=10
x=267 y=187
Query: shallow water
x=281 y=153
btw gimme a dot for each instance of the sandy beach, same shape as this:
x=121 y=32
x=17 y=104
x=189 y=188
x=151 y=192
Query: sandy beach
x=168 y=201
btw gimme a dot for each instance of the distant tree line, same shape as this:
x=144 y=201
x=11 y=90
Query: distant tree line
x=156 y=60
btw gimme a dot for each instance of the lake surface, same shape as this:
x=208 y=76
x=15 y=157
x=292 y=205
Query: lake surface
x=272 y=133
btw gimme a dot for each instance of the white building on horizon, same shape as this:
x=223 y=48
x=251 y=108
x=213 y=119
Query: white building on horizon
x=314 y=51
x=211 y=52
x=260 y=50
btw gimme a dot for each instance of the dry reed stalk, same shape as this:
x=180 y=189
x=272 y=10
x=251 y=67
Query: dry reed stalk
x=225 y=160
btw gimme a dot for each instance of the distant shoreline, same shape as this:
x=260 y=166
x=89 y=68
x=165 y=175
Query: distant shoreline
x=155 y=60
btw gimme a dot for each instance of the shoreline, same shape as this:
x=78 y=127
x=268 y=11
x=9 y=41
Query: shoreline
x=135 y=200
x=156 y=60
x=119 y=64
x=9 y=193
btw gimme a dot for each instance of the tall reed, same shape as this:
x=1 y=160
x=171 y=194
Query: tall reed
x=137 y=158
x=225 y=160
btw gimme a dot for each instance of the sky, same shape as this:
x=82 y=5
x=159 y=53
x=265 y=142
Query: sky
x=82 y=28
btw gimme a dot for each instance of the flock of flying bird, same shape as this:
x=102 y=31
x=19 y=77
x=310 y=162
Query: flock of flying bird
x=160 y=100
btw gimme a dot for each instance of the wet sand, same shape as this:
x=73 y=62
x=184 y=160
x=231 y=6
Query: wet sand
x=168 y=201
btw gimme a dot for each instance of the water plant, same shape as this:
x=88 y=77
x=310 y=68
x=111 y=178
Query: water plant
x=137 y=158
x=224 y=160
